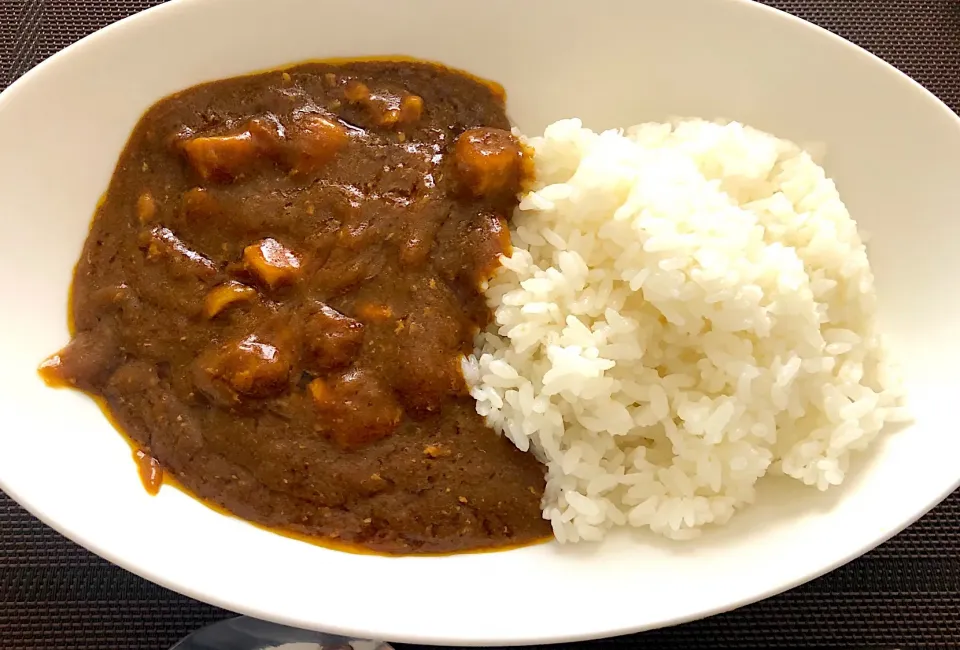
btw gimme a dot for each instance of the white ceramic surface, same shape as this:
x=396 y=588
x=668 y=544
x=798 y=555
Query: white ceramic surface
x=893 y=149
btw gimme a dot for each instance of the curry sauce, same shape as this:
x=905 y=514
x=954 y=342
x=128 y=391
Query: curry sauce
x=278 y=288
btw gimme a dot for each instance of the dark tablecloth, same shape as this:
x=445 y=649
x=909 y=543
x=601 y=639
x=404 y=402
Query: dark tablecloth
x=54 y=594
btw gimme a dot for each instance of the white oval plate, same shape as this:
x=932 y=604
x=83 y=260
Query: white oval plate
x=893 y=149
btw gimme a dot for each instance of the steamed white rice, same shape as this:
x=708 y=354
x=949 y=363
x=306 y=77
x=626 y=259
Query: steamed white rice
x=687 y=308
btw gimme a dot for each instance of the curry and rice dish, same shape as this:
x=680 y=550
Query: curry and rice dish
x=345 y=301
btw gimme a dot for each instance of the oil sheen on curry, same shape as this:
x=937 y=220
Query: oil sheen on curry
x=276 y=292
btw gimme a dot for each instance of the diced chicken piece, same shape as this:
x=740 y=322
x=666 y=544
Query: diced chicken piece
x=387 y=109
x=249 y=366
x=221 y=158
x=332 y=339
x=388 y=117
x=314 y=142
x=162 y=244
x=272 y=263
x=373 y=313
x=391 y=111
x=199 y=203
x=355 y=408
x=224 y=158
x=435 y=451
x=356 y=92
x=224 y=295
x=268 y=134
x=146 y=207
x=489 y=162
x=411 y=108
x=322 y=394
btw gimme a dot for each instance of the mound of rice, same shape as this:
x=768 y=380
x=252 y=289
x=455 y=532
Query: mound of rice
x=687 y=308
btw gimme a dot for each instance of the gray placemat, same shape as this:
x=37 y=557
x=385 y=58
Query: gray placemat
x=54 y=594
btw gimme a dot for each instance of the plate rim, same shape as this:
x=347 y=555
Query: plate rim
x=226 y=603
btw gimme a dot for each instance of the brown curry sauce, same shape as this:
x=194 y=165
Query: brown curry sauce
x=276 y=292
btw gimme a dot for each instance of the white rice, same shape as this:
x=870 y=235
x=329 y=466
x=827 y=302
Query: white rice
x=687 y=308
